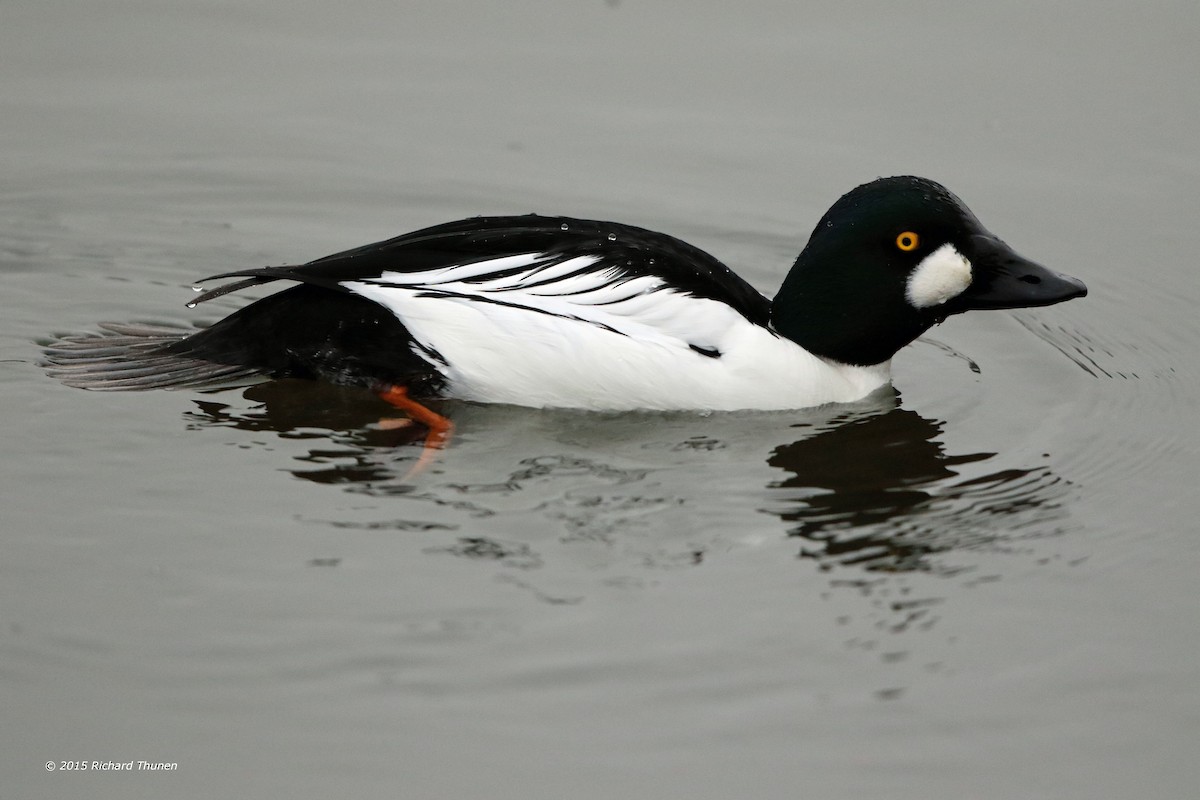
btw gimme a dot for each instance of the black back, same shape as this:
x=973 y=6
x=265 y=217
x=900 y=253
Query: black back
x=629 y=250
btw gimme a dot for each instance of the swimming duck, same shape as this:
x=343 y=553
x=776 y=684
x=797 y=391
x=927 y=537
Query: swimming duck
x=553 y=311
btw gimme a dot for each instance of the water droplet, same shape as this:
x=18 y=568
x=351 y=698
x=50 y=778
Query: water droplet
x=191 y=305
x=612 y=237
x=564 y=226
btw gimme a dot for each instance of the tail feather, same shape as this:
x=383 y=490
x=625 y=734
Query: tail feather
x=132 y=357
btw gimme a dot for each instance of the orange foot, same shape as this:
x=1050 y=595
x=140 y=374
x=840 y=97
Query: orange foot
x=439 y=427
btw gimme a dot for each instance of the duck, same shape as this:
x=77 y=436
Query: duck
x=548 y=311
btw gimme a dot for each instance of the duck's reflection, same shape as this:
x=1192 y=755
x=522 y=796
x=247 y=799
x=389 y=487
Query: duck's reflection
x=879 y=491
x=872 y=488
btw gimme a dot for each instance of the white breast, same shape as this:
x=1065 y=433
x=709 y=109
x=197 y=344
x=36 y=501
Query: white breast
x=556 y=336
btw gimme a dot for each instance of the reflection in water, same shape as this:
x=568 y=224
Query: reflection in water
x=874 y=490
x=879 y=499
x=880 y=492
x=869 y=489
x=353 y=451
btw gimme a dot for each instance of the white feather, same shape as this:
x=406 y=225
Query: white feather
x=943 y=274
x=558 y=336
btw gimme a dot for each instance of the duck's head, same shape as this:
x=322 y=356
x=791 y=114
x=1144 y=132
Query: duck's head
x=894 y=257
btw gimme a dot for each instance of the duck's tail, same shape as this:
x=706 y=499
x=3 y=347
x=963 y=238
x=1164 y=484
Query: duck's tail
x=135 y=356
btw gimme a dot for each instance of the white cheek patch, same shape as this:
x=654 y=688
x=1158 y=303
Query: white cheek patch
x=941 y=275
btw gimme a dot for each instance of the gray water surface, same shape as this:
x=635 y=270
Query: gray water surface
x=980 y=585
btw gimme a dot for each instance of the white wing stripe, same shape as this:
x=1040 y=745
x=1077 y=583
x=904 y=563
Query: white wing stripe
x=566 y=287
x=489 y=275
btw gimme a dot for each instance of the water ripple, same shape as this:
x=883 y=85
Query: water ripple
x=1103 y=356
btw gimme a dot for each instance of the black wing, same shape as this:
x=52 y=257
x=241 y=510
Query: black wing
x=631 y=251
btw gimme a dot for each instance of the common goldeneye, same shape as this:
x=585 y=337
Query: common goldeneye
x=553 y=311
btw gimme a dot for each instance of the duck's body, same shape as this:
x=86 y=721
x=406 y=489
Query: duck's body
x=538 y=311
x=548 y=311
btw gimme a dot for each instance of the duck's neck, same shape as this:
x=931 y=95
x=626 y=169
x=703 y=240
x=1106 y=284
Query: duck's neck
x=831 y=315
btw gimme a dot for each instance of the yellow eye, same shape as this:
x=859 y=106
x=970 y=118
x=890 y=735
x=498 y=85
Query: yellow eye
x=908 y=241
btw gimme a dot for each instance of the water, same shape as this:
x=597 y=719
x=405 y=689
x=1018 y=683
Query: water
x=980 y=585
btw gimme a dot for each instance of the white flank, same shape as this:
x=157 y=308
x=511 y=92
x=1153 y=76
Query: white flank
x=598 y=340
x=941 y=275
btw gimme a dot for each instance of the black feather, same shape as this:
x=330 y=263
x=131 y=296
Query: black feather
x=630 y=252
